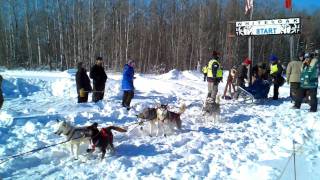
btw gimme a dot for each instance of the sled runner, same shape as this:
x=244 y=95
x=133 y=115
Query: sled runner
x=245 y=94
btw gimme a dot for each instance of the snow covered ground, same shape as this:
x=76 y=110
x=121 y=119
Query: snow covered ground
x=254 y=141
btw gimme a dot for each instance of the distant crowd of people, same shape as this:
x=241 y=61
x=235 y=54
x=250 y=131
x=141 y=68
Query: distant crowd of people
x=301 y=74
x=99 y=78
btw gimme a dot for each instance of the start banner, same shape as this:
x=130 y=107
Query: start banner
x=268 y=27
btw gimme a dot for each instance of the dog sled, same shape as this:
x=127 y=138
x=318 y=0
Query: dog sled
x=258 y=90
x=245 y=95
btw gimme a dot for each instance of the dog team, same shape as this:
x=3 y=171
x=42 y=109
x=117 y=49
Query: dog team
x=165 y=119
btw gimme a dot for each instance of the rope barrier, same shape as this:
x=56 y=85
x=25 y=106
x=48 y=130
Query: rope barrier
x=293 y=155
x=7 y=158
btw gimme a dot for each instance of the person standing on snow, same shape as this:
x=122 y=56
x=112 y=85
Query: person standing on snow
x=230 y=83
x=127 y=84
x=276 y=75
x=1 y=96
x=242 y=72
x=214 y=75
x=205 y=72
x=293 y=74
x=83 y=84
x=309 y=82
x=99 y=77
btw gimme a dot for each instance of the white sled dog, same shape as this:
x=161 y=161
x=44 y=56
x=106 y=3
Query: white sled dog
x=168 y=118
x=76 y=135
x=211 y=110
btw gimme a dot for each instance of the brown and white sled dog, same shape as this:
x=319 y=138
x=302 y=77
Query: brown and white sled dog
x=150 y=115
x=211 y=110
x=76 y=135
x=166 y=118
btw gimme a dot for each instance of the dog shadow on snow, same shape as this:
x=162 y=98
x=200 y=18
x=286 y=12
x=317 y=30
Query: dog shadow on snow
x=238 y=118
x=133 y=150
x=204 y=130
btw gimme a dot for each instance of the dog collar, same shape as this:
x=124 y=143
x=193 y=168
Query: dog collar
x=68 y=132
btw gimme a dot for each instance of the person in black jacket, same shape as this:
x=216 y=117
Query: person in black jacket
x=99 y=77
x=83 y=84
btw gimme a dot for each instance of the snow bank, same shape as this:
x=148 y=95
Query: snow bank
x=171 y=75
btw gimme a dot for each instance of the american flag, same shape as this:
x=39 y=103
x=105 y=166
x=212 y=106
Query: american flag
x=249 y=5
x=288 y=4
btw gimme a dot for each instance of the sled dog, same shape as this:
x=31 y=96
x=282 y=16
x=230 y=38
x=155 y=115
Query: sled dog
x=76 y=135
x=168 y=118
x=150 y=115
x=103 y=138
x=211 y=109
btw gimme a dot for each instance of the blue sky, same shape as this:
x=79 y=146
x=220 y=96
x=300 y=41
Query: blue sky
x=313 y=4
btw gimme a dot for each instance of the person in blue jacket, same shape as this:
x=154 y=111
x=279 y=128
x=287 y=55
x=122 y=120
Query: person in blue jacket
x=127 y=84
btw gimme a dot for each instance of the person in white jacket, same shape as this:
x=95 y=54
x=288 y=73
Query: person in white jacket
x=293 y=75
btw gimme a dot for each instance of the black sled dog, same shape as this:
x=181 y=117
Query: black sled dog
x=103 y=138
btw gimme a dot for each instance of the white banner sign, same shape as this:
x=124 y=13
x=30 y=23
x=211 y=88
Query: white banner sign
x=268 y=27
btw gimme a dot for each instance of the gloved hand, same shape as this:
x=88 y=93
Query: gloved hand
x=82 y=93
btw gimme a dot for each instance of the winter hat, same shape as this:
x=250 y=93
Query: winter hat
x=130 y=62
x=273 y=58
x=215 y=53
x=247 y=61
x=79 y=65
x=99 y=58
x=307 y=55
x=301 y=54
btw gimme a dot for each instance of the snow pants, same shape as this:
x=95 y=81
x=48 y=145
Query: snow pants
x=313 y=101
x=212 y=90
x=126 y=98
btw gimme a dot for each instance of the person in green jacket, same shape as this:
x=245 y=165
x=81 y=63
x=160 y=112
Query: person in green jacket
x=309 y=82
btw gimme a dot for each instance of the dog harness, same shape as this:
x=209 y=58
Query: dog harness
x=105 y=136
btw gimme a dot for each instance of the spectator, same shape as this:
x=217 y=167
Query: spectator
x=83 y=84
x=99 y=77
x=127 y=84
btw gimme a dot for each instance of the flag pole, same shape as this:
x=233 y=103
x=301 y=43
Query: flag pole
x=291 y=39
x=250 y=49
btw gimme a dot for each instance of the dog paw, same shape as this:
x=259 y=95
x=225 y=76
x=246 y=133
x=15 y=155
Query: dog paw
x=89 y=150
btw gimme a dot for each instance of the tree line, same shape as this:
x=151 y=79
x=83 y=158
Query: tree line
x=157 y=34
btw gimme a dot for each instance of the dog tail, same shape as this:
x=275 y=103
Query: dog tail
x=119 y=129
x=182 y=108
